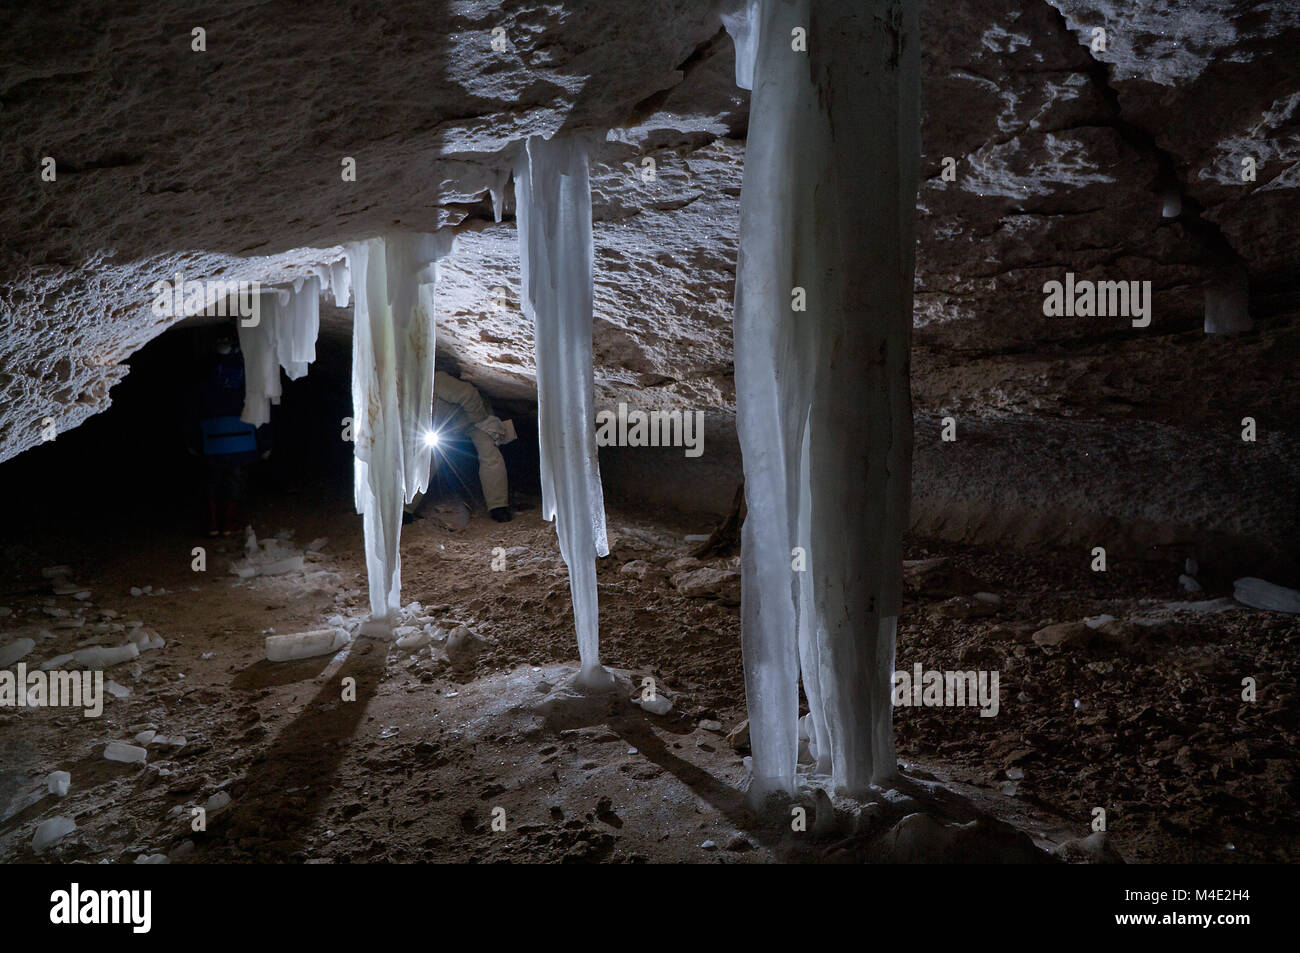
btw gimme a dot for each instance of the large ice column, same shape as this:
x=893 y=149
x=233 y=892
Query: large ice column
x=823 y=403
x=553 y=215
x=392 y=394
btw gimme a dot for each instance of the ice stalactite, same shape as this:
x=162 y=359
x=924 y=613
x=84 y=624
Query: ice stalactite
x=261 y=366
x=553 y=214
x=823 y=402
x=297 y=324
x=392 y=396
x=742 y=23
x=284 y=336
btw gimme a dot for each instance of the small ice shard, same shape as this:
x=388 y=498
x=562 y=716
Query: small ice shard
x=116 y=690
x=217 y=802
x=99 y=656
x=66 y=588
x=1259 y=594
x=57 y=783
x=659 y=704
x=47 y=832
x=152 y=859
x=126 y=753
x=145 y=737
x=317 y=544
x=170 y=741
x=413 y=638
x=1097 y=621
x=1190 y=566
x=137 y=591
x=15 y=650
x=146 y=639
x=376 y=629
x=1188 y=583
x=1016 y=774
x=300 y=645
x=54 y=611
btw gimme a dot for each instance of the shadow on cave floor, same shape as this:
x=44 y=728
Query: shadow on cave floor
x=441 y=750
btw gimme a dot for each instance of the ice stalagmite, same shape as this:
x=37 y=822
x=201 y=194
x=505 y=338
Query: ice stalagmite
x=553 y=214
x=822 y=334
x=392 y=394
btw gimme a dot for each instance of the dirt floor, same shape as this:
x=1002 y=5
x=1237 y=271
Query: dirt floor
x=446 y=744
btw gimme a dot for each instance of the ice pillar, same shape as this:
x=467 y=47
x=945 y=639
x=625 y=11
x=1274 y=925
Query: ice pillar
x=553 y=215
x=392 y=395
x=822 y=337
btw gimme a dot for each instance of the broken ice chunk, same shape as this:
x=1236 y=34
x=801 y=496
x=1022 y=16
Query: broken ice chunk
x=152 y=859
x=146 y=639
x=57 y=783
x=15 y=650
x=116 y=690
x=281 y=566
x=316 y=545
x=658 y=705
x=412 y=638
x=145 y=737
x=300 y=645
x=99 y=656
x=1259 y=594
x=47 y=832
x=126 y=753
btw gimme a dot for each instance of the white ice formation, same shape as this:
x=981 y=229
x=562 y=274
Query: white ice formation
x=393 y=281
x=553 y=215
x=823 y=404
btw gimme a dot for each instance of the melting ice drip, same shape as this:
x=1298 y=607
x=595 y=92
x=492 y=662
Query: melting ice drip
x=829 y=188
x=393 y=280
x=553 y=210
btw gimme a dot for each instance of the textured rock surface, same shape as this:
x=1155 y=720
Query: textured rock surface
x=226 y=164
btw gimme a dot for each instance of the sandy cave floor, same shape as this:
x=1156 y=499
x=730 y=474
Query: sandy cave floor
x=1145 y=721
